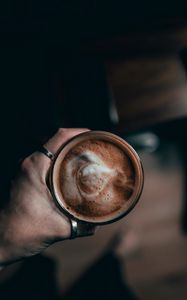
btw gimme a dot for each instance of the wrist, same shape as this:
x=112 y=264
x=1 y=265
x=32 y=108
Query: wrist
x=4 y=240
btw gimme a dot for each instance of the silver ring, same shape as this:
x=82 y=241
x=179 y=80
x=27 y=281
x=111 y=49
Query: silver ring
x=74 y=229
x=46 y=152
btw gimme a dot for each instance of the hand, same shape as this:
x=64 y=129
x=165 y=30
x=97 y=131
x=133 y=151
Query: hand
x=31 y=220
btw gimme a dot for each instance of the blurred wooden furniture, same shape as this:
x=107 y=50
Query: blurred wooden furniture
x=148 y=90
x=146 y=78
x=147 y=83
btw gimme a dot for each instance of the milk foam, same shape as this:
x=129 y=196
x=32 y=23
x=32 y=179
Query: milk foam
x=96 y=165
x=96 y=169
x=87 y=175
x=96 y=179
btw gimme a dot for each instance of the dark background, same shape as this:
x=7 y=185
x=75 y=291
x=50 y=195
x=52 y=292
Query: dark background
x=47 y=80
x=40 y=53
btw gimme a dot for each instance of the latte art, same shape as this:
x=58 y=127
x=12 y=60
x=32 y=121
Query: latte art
x=96 y=179
x=88 y=174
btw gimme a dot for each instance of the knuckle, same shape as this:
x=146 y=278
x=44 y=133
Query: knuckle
x=26 y=165
x=62 y=131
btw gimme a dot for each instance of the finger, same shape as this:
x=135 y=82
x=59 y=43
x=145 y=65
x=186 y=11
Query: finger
x=53 y=144
x=61 y=137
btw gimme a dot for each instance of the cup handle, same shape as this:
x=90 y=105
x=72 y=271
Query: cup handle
x=81 y=229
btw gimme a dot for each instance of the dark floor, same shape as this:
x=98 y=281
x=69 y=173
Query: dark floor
x=158 y=267
x=154 y=254
x=159 y=271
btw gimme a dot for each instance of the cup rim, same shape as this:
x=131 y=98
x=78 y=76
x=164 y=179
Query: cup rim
x=103 y=135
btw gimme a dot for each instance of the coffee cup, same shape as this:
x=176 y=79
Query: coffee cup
x=96 y=178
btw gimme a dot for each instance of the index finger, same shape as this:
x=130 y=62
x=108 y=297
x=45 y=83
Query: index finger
x=53 y=144
x=61 y=137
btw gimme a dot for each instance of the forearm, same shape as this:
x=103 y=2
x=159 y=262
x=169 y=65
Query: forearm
x=3 y=250
x=14 y=237
x=7 y=238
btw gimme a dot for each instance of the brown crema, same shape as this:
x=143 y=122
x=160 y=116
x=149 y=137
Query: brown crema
x=96 y=180
x=96 y=177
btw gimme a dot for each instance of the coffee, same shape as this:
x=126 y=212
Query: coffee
x=96 y=180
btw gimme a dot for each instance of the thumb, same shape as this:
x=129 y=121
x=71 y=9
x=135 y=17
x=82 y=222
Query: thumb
x=53 y=144
x=61 y=137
